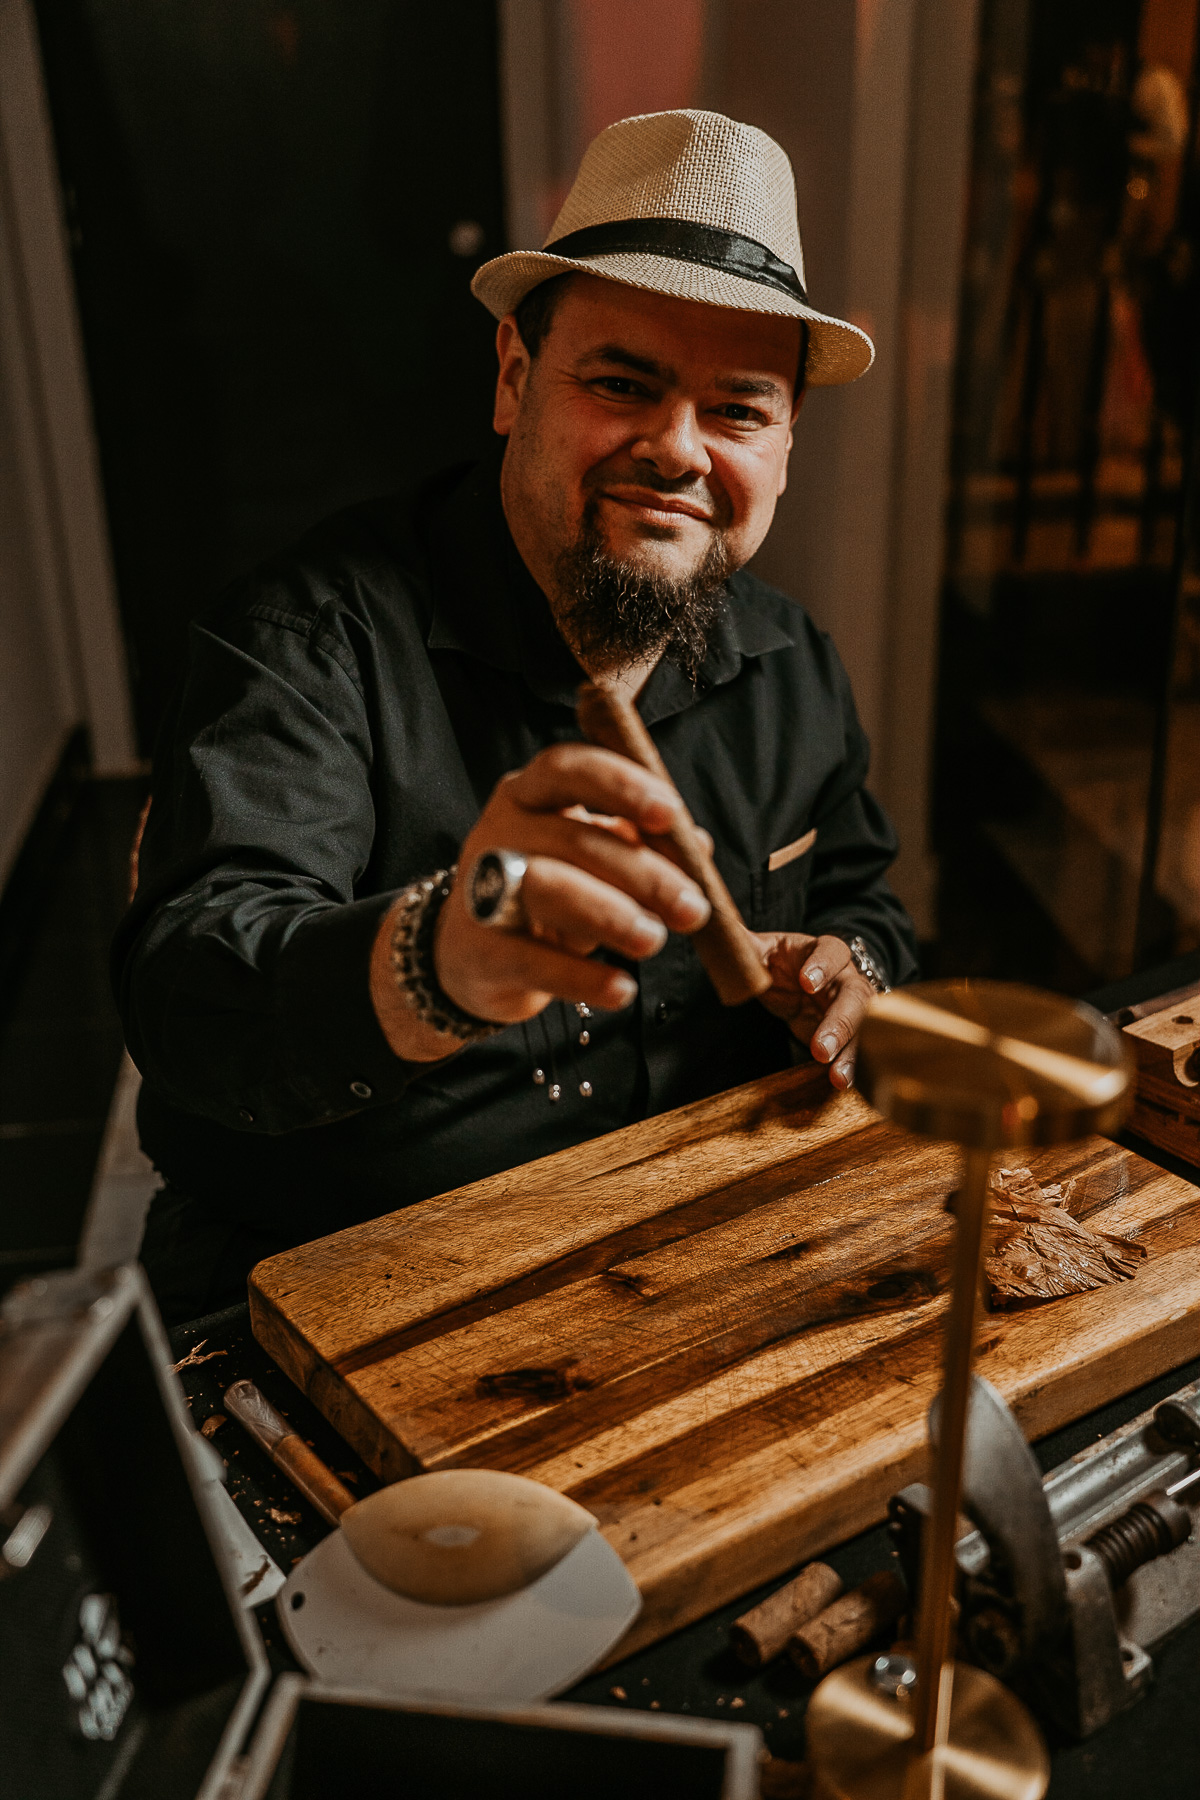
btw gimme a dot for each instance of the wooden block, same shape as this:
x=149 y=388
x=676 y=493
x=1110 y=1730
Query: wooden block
x=719 y=1330
x=1166 y=1108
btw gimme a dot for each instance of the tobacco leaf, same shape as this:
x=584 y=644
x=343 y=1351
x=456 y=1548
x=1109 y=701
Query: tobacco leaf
x=1038 y=1251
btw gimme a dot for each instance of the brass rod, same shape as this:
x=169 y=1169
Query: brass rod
x=935 y=1666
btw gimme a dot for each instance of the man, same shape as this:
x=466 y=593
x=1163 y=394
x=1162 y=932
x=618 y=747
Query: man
x=328 y=1022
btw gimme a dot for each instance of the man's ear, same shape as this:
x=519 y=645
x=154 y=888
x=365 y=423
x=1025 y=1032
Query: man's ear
x=514 y=373
x=797 y=403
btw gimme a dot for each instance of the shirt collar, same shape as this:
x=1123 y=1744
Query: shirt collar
x=486 y=604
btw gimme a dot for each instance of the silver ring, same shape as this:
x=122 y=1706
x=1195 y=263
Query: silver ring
x=493 y=893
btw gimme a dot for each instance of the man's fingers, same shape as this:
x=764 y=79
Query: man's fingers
x=647 y=878
x=524 y=975
x=842 y=1073
x=563 y=899
x=829 y=957
x=582 y=775
x=622 y=828
x=842 y=1019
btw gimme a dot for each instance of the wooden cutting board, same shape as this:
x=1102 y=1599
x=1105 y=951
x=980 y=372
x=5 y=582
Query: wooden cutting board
x=719 y=1330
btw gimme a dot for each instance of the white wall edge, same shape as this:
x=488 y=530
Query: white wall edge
x=53 y=351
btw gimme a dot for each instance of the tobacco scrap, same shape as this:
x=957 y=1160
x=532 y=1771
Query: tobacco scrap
x=1039 y=1251
x=193 y=1357
x=260 y=1574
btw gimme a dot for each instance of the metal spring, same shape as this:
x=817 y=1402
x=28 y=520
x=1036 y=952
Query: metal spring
x=1137 y=1537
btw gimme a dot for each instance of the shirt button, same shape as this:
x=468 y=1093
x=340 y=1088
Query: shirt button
x=662 y=1012
x=361 y=1089
x=245 y=1115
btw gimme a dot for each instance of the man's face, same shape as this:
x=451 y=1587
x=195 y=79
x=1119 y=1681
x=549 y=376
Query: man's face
x=658 y=425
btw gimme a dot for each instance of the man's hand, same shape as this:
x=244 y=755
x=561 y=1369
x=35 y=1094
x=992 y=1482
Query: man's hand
x=579 y=816
x=822 y=995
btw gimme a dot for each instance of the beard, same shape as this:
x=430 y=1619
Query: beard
x=614 y=615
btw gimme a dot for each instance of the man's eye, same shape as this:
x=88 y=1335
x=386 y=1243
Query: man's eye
x=740 y=415
x=619 y=384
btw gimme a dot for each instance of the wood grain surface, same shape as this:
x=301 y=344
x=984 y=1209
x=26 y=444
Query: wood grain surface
x=718 y=1330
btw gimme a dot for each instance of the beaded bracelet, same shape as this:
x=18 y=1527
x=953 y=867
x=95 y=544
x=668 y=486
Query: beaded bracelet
x=412 y=961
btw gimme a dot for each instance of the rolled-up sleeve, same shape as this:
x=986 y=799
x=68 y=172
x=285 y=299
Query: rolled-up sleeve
x=242 y=968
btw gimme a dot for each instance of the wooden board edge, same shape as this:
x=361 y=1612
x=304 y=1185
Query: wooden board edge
x=1048 y=1406
x=287 y=1275
x=691 y=1589
x=349 y=1416
x=283 y=1343
x=604 y=1155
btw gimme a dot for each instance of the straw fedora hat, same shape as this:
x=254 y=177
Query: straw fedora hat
x=692 y=204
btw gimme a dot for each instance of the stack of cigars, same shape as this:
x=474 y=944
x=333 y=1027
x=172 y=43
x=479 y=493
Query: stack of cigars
x=816 y=1622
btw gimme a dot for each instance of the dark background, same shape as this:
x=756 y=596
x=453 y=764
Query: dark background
x=1072 y=572
x=262 y=196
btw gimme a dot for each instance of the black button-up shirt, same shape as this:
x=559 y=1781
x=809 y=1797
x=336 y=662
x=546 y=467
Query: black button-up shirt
x=346 y=712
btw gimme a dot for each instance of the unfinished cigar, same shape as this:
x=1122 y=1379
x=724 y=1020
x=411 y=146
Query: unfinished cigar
x=847 y=1626
x=731 y=958
x=303 y=1468
x=761 y=1634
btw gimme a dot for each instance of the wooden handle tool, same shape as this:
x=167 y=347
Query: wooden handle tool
x=731 y=959
x=303 y=1467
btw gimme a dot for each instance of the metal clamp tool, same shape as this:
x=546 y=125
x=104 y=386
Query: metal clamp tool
x=1067 y=1583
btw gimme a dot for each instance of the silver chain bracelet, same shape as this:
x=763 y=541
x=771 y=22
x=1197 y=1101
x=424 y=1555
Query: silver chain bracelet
x=867 y=967
x=412 y=961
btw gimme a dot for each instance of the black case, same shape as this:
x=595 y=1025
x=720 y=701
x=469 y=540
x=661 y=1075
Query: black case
x=129 y=1669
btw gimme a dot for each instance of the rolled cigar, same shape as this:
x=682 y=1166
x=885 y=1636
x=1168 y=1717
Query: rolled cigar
x=731 y=958
x=302 y=1466
x=847 y=1626
x=761 y=1634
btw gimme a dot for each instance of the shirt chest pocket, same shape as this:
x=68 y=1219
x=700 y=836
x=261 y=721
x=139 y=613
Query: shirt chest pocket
x=778 y=894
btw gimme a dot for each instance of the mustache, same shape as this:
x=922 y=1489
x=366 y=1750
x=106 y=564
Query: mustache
x=685 y=487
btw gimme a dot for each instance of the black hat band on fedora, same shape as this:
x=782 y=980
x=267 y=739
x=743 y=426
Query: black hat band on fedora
x=684 y=241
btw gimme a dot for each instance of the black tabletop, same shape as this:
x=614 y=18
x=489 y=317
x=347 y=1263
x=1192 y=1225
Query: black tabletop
x=1151 y=1751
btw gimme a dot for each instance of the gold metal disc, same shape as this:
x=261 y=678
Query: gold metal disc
x=991 y=1064
x=859 y=1742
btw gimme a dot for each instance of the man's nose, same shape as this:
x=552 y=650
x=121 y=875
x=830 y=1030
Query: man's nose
x=674 y=443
